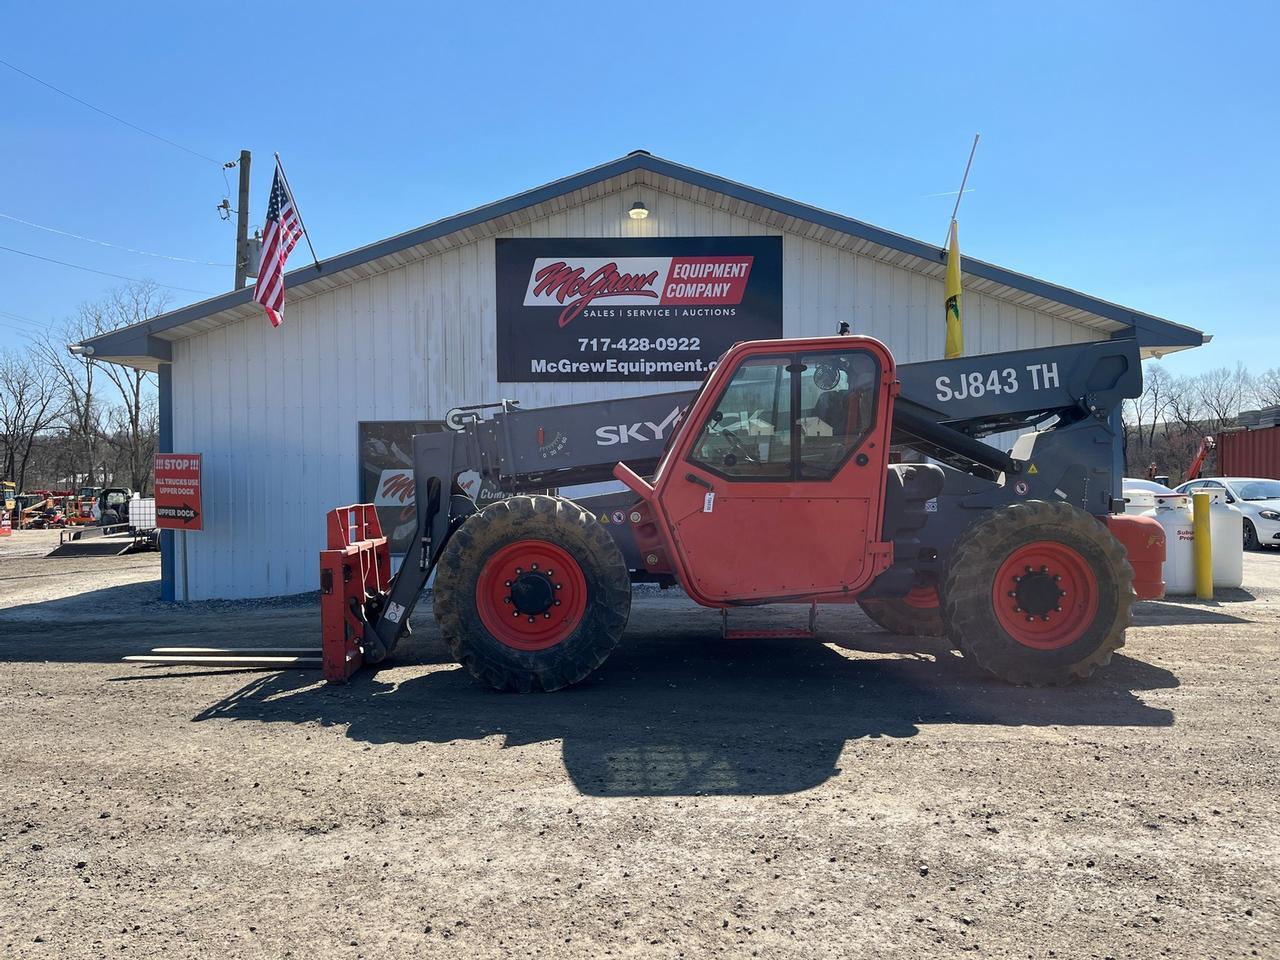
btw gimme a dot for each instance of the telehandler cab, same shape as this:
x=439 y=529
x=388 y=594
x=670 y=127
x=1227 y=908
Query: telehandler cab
x=772 y=483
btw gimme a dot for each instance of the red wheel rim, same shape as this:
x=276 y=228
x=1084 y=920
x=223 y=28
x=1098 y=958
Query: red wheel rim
x=1045 y=595
x=531 y=595
x=922 y=598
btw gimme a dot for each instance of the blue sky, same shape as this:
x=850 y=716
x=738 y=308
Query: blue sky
x=1128 y=150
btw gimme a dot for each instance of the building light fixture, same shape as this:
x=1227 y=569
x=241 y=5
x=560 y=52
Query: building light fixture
x=638 y=211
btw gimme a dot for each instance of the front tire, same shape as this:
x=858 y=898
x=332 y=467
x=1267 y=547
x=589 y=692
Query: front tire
x=1038 y=593
x=532 y=594
x=1250 y=535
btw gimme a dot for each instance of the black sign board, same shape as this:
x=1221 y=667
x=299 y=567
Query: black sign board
x=386 y=477
x=654 y=308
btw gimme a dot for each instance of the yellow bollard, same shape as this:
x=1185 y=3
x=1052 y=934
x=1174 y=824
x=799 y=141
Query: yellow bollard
x=1203 y=545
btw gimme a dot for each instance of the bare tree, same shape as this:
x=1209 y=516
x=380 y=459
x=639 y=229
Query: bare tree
x=1223 y=393
x=30 y=402
x=133 y=437
x=1148 y=411
x=83 y=411
x=1266 y=388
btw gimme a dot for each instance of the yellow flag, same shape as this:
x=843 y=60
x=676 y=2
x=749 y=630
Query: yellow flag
x=955 y=327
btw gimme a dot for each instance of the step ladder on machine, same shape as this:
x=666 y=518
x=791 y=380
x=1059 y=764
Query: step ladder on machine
x=759 y=633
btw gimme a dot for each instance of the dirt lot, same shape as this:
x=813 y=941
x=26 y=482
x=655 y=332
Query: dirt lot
x=867 y=797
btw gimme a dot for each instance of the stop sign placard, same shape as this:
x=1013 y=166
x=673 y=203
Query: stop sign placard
x=178 y=504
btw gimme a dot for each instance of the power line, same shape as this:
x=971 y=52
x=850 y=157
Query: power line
x=118 y=276
x=105 y=113
x=24 y=320
x=14 y=327
x=114 y=246
x=17 y=316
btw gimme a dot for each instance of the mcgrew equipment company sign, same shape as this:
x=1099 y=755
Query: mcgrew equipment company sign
x=661 y=308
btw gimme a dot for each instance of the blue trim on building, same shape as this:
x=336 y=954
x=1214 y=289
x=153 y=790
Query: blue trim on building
x=1150 y=331
x=168 y=570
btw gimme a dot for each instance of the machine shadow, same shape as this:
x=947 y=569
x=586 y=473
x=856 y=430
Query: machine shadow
x=1187 y=612
x=681 y=716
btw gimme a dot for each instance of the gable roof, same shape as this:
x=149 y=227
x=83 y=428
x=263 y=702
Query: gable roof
x=147 y=344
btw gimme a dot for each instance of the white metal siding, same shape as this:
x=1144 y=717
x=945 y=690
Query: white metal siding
x=276 y=412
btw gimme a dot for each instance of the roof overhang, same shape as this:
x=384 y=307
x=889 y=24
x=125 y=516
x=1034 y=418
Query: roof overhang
x=146 y=344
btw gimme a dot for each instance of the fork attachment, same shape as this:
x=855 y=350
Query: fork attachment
x=355 y=575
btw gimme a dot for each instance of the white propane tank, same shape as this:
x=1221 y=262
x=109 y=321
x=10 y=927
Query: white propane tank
x=1173 y=513
x=1226 y=523
x=1141 y=502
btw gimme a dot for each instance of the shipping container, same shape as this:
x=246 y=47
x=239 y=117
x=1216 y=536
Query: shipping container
x=1250 y=453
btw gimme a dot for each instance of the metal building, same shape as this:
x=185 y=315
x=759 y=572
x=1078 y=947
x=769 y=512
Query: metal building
x=404 y=329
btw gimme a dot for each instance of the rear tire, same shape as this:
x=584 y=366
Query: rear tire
x=1250 y=535
x=918 y=614
x=532 y=594
x=1038 y=593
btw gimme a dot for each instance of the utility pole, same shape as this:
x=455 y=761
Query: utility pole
x=242 y=222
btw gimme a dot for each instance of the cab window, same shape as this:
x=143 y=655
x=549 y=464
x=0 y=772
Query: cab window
x=799 y=416
x=837 y=409
x=748 y=434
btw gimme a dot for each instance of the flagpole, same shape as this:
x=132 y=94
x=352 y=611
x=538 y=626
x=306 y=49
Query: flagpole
x=294 y=200
x=959 y=196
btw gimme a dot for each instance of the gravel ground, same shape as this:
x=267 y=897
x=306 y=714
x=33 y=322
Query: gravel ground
x=870 y=796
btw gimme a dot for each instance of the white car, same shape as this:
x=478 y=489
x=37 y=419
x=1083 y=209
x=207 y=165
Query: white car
x=1133 y=483
x=1257 y=498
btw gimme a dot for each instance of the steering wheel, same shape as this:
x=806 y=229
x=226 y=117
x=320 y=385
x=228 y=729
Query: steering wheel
x=734 y=441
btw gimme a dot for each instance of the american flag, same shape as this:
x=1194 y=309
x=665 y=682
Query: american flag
x=281 y=234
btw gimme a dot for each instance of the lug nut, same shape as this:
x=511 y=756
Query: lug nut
x=546 y=616
x=1030 y=619
x=1017 y=609
x=519 y=569
x=1027 y=570
x=1056 y=578
x=558 y=586
x=557 y=603
x=1057 y=609
x=1045 y=618
x=1044 y=569
x=551 y=573
x=534 y=567
x=531 y=619
x=508 y=583
x=506 y=599
x=515 y=613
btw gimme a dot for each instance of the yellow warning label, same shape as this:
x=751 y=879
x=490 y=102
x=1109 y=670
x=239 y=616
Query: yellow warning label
x=1032 y=470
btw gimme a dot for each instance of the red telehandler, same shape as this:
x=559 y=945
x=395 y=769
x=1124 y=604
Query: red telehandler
x=772 y=483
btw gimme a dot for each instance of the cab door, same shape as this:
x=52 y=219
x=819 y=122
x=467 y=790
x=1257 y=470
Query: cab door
x=777 y=493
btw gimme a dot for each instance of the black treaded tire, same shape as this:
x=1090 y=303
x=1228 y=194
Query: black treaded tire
x=972 y=623
x=895 y=615
x=1251 y=536
x=567 y=526
x=108 y=518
